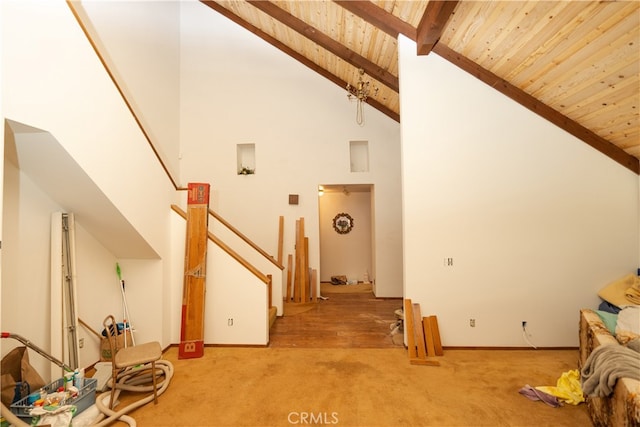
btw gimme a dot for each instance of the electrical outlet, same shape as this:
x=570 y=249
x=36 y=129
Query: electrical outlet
x=81 y=342
x=448 y=262
x=230 y=321
x=472 y=323
x=524 y=324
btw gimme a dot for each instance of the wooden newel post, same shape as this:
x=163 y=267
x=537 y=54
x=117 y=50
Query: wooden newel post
x=270 y=288
x=195 y=266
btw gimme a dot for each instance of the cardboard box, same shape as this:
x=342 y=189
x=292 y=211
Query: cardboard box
x=105 y=349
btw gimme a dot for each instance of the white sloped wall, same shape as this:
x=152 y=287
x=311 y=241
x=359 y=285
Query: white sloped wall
x=140 y=40
x=53 y=81
x=535 y=220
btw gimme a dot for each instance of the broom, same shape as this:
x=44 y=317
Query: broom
x=125 y=309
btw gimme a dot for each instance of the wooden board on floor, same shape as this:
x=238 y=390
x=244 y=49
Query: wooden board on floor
x=421 y=338
x=428 y=337
x=418 y=332
x=295 y=293
x=195 y=264
x=435 y=332
x=280 y=238
x=306 y=281
x=425 y=362
x=314 y=285
x=408 y=323
x=300 y=250
x=289 y=284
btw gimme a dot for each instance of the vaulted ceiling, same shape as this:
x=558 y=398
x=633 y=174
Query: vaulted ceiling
x=575 y=63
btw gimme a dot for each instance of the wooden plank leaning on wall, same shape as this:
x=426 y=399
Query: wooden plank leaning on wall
x=195 y=265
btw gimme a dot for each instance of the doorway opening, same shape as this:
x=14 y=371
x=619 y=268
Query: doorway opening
x=346 y=235
x=349 y=315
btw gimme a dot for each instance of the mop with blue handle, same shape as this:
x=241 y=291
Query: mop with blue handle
x=125 y=309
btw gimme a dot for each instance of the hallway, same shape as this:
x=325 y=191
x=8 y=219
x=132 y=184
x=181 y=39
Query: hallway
x=344 y=320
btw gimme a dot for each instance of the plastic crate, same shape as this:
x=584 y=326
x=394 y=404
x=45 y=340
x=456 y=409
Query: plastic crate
x=86 y=397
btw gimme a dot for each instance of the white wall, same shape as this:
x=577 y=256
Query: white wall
x=232 y=292
x=237 y=89
x=140 y=41
x=252 y=256
x=25 y=291
x=535 y=220
x=52 y=80
x=345 y=254
x=2 y=142
x=26 y=288
x=514 y=200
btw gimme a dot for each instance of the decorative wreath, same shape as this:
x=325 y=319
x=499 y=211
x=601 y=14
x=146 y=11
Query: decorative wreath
x=343 y=223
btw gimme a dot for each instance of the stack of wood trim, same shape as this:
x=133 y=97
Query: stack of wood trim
x=302 y=286
x=423 y=335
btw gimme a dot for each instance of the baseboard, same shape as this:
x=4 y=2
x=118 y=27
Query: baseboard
x=508 y=348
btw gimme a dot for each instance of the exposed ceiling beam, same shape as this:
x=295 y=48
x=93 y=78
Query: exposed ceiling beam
x=435 y=18
x=295 y=55
x=326 y=42
x=618 y=154
x=378 y=17
x=426 y=37
x=526 y=100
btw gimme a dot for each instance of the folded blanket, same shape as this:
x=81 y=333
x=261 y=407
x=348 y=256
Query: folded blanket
x=605 y=365
x=633 y=292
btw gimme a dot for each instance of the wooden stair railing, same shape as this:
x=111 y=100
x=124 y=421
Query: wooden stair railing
x=123 y=95
x=246 y=239
x=265 y=278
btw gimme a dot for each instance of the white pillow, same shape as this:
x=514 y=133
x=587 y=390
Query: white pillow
x=628 y=325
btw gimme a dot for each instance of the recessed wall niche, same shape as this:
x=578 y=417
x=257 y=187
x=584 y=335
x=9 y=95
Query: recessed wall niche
x=359 y=153
x=246 y=159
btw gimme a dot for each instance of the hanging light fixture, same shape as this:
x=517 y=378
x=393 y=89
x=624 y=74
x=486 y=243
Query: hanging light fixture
x=360 y=92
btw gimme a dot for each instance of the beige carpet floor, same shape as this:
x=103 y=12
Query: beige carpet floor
x=360 y=387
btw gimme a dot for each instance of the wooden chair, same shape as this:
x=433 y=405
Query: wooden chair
x=130 y=356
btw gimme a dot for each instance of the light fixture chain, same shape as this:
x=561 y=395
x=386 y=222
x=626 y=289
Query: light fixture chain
x=360 y=92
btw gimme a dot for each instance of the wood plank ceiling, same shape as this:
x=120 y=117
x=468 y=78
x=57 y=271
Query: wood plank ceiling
x=576 y=63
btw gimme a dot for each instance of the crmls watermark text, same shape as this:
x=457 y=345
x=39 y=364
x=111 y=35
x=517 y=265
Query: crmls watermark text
x=313 y=418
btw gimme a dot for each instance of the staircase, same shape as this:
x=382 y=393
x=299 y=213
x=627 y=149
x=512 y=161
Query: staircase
x=267 y=279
